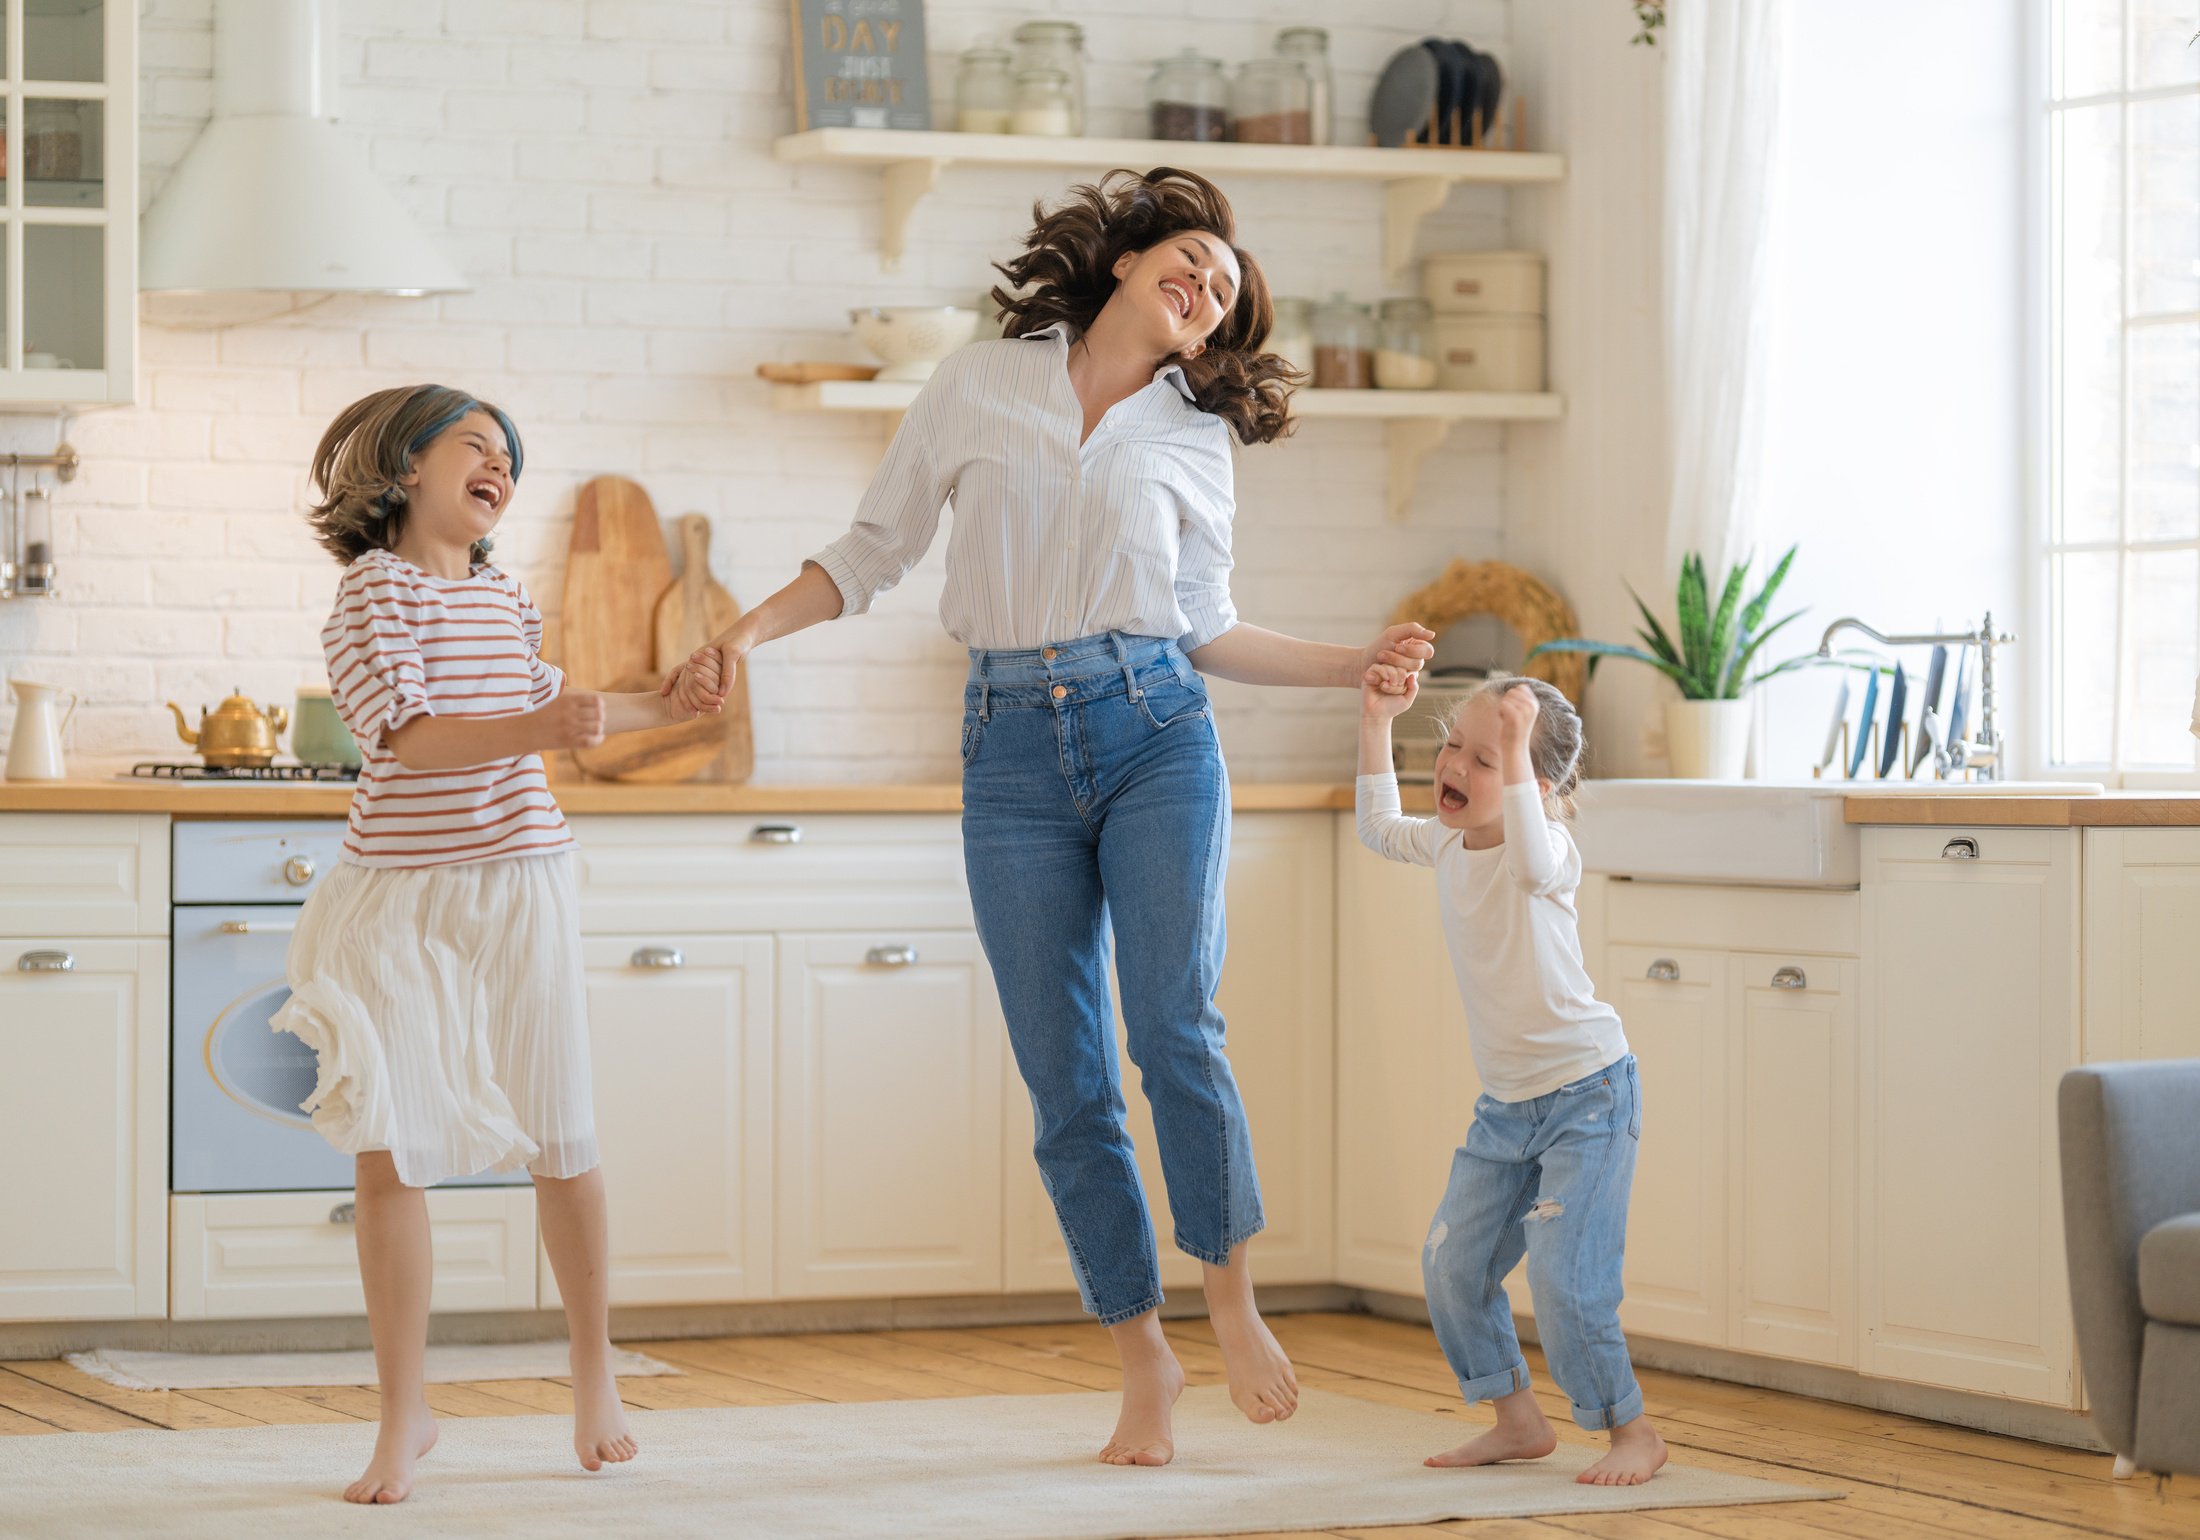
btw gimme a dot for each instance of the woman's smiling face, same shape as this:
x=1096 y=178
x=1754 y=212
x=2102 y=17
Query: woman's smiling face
x=1179 y=290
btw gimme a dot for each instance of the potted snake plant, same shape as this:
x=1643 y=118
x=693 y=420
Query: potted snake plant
x=1712 y=655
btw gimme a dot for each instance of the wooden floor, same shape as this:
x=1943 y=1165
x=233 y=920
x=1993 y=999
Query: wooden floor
x=1906 y=1479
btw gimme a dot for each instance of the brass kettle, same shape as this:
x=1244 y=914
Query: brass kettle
x=235 y=735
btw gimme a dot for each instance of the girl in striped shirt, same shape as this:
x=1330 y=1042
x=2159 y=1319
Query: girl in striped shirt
x=436 y=972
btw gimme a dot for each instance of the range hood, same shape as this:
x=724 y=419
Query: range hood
x=271 y=196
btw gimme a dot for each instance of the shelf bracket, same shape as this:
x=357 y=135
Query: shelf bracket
x=1406 y=202
x=1410 y=440
x=906 y=183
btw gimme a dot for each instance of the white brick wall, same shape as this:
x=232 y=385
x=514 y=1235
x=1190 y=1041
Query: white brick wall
x=601 y=171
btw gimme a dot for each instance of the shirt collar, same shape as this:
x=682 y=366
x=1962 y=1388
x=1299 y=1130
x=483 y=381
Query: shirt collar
x=1064 y=333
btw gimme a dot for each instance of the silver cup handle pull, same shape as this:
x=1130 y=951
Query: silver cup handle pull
x=657 y=957
x=1663 y=971
x=344 y=1214
x=1961 y=848
x=776 y=834
x=891 y=957
x=258 y=927
x=46 y=962
x=1790 y=978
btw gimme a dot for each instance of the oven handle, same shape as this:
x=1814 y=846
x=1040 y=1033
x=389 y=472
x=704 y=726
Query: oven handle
x=258 y=927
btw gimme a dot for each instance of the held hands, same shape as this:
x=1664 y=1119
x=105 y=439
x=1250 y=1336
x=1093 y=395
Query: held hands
x=698 y=685
x=1386 y=691
x=575 y=720
x=1405 y=647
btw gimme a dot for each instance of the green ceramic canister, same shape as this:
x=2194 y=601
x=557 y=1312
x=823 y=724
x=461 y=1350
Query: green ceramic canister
x=317 y=734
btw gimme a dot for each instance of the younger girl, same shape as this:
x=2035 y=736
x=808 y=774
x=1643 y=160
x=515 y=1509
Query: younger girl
x=436 y=971
x=1551 y=1154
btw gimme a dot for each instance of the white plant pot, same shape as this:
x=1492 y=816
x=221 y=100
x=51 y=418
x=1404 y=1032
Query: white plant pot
x=1707 y=740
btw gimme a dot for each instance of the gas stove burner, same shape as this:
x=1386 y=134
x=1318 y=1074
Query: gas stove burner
x=163 y=771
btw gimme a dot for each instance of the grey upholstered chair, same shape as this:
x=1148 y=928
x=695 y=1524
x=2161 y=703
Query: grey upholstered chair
x=2131 y=1217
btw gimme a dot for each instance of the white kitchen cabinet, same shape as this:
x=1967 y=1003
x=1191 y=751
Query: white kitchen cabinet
x=83 y=1127
x=68 y=226
x=2142 y=944
x=1275 y=997
x=1970 y=1019
x=681 y=1047
x=83 y=874
x=249 y=1255
x=888 y=1116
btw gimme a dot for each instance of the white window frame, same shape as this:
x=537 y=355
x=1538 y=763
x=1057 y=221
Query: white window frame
x=2039 y=739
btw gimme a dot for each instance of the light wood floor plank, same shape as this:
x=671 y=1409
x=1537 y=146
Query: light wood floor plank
x=271 y=1405
x=162 y=1408
x=71 y=1414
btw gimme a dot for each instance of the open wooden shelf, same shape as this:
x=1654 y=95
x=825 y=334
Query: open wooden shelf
x=1414 y=421
x=1415 y=181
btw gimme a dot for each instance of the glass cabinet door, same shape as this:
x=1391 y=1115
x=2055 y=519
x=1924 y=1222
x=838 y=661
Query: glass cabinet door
x=68 y=260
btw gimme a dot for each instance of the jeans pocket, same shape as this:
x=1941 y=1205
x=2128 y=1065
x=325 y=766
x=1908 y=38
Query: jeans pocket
x=973 y=735
x=1170 y=701
x=1634 y=1101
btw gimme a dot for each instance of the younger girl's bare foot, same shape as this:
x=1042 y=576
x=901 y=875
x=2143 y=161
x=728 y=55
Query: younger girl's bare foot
x=1261 y=1382
x=600 y=1433
x=1144 y=1433
x=400 y=1442
x=1522 y=1433
x=1637 y=1454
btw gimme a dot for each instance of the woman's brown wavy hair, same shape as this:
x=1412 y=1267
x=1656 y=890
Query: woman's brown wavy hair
x=1066 y=273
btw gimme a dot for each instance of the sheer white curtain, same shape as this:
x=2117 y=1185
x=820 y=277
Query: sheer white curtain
x=1722 y=124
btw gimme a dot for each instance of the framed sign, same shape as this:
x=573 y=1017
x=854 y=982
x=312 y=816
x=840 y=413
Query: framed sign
x=860 y=64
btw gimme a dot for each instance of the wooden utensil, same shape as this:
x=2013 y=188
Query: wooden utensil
x=692 y=611
x=616 y=568
x=811 y=374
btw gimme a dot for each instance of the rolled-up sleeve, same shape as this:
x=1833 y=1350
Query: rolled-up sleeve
x=900 y=511
x=375 y=670
x=1203 y=544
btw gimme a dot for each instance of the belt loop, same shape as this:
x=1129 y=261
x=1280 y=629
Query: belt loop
x=1123 y=659
x=985 y=685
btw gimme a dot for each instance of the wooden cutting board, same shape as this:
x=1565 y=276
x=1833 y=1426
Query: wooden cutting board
x=692 y=611
x=616 y=569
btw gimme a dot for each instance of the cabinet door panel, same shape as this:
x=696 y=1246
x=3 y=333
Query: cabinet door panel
x=2142 y=970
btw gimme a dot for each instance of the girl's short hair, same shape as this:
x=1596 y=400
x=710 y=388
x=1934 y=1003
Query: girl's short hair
x=1067 y=271
x=1555 y=751
x=371 y=444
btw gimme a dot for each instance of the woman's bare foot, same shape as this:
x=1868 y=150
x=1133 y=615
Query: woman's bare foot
x=1152 y=1380
x=1522 y=1433
x=1637 y=1455
x=1261 y=1382
x=600 y=1433
x=398 y=1445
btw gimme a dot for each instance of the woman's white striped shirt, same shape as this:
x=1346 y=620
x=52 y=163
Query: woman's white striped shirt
x=1052 y=541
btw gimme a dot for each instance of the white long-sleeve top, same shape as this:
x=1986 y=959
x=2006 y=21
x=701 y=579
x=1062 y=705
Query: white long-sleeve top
x=1052 y=541
x=1534 y=1022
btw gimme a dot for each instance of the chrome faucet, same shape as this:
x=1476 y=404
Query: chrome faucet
x=1986 y=753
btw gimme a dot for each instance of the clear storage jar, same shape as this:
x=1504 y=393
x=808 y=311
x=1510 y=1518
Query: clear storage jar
x=1344 y=345
x=1292 y=336
x=1405 y=345
x=1043 y=105
x=1272 y=102
x=985 y=90
x=1310 y=46
x=1187 y=97
x=1056 y=45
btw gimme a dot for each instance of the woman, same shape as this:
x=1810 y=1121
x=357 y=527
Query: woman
x=1087 y=456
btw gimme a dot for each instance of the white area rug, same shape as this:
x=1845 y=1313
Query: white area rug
x=977 y=1468
x=233 y=1371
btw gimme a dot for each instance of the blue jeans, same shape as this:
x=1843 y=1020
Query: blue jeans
x=1549 y=1177
x=1091 y=773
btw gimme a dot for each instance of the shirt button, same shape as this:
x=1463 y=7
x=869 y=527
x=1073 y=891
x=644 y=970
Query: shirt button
x=1060 y=690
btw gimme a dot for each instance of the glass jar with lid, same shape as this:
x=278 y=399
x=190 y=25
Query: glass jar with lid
x=1344 y=345
x=1272 y=102
x=1043 y=105
x=1292 y=337
x=1310 y=46
x=1405 y=345
x=1187 y=97
x=985 y=90
x=1056 y=45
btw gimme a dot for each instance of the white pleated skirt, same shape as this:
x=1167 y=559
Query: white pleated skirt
x=450 y=1016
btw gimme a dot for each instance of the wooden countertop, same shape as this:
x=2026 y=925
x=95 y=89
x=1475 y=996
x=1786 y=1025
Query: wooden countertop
x=2109 y=810
x=96 y=794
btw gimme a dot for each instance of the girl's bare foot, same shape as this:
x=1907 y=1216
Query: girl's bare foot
x=600 y=1433
x=1261 y=1382
x=1637 y=1455
x=1522 y=1433
x=1144 y=1433
x=400 y=1442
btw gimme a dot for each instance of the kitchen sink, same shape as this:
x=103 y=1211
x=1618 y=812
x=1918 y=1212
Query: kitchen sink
x=1780 y=833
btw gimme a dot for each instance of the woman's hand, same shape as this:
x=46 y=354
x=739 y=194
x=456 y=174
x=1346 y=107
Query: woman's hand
x=700 y=684
x=1387 y=691
x=1405 y=646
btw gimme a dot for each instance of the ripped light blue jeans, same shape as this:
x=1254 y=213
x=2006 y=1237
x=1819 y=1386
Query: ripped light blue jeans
x=1549 y=1177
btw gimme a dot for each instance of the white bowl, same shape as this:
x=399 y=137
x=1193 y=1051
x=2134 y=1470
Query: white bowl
x=910 y=340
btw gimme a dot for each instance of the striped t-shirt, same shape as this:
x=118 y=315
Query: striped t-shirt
x=403 y=644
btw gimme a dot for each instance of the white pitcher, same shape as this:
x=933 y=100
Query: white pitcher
x=34 y=748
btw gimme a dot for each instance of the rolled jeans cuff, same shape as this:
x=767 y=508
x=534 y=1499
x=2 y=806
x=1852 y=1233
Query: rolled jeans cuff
x=1489 y=1387
x=1598 y=1418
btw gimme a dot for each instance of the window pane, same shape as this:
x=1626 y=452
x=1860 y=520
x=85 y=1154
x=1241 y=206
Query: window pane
x=62 y=153
x=62 y=39
x=2165 y=215
x=2161 y=42
x=64 y=295
x=2083 y=593
x=2088 y=148
x=2165 y=610
x=2163 y=474
x=2089 y=55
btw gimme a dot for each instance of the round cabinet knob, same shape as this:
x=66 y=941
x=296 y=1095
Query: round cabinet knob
x=1663 y=971
x=299 y=870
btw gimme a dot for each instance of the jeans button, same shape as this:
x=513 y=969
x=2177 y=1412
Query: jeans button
x=1047 y=653
x=1060 y=690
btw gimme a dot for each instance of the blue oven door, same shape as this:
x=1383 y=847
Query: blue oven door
x=236 y=1124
